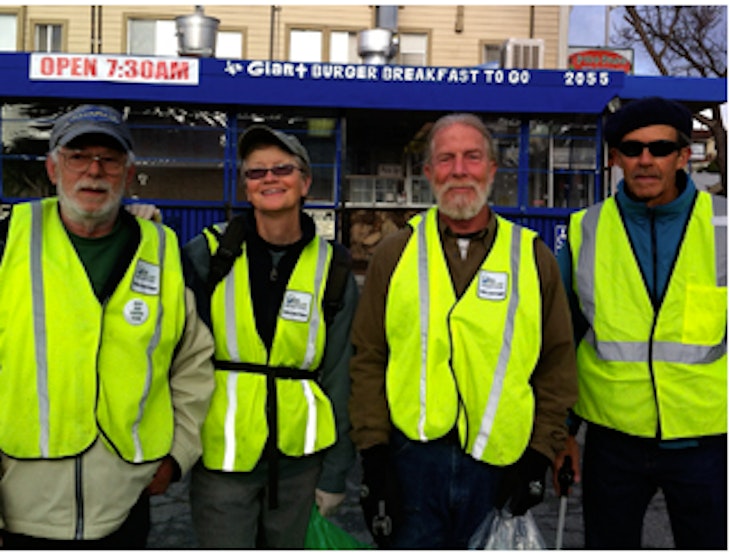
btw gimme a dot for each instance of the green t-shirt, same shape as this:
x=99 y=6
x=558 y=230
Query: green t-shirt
x=99 y=256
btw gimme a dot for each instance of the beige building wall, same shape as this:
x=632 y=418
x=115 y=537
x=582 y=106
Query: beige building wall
x=457 y=34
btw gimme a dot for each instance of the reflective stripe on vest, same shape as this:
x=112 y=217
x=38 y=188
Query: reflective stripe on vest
x=642 y=375
x=62 y=382
x=491 y=334
x=236 y=428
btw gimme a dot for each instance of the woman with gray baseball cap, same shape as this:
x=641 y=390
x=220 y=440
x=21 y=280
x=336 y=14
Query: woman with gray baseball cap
x=275 y=442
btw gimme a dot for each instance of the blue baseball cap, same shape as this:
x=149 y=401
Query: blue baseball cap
x=91 y=119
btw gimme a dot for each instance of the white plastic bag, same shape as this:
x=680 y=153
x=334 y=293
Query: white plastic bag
x=502 y=530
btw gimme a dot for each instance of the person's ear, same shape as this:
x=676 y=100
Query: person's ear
x=51 y=169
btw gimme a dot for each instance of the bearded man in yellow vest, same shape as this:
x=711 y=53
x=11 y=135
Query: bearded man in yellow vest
x=646 y=272
x=464 y=369
x=106 y=373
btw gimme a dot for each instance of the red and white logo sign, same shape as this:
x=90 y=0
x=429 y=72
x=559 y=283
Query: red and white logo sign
x=127 y=69
x=598 y=59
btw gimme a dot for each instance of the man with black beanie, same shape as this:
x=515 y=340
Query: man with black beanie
x=646 y=275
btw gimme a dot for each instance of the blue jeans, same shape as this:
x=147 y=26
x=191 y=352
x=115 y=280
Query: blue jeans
x=621 y=474
x=445 y=493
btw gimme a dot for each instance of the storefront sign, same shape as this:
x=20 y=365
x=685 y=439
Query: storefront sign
x=127 y=69
x=405 y=74
x=598 y=58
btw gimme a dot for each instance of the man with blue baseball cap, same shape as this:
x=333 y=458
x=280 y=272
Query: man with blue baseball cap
x=106 y=372
x=92 y=122
x=646 y=275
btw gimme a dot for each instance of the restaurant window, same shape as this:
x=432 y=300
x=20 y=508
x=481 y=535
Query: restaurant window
x=562 y=162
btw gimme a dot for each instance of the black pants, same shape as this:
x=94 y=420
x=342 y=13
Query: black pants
x=132 y=534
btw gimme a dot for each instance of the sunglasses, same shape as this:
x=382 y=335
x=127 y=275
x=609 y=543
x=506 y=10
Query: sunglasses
x=658 y=148
x=276 y=170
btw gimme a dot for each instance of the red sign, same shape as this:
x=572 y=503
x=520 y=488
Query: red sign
x=599 y=59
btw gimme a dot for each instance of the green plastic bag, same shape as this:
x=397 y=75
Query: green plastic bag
x=325 y=534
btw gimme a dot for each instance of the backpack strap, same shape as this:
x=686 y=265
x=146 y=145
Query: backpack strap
x=336 y=281
x=230 y=246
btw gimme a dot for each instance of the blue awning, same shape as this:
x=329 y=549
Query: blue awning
x=215 y=82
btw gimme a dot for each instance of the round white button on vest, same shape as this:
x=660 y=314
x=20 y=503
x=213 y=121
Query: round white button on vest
x=136 y=311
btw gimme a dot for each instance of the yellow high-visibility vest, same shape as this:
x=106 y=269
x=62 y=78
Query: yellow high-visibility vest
x=646 y=372
x=236 y=428
x=72 y=369
x=468 y=360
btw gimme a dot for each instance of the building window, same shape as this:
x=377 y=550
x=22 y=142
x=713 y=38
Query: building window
x=229 y=45
x=8 y=32
x=563 y=156
x=158 y=37
x=413 y=49
x=305 y=45
x=343 y=47
x=492 y=55
x=323 y=45
x=151 y=37
x=48 y=37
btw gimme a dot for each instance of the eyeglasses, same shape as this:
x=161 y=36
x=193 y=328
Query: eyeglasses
x=276 y=170
x=80 y=162
x=658 y=148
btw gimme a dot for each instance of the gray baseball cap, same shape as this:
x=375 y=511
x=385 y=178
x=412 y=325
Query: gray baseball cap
x=261 y=134
x=91 y=119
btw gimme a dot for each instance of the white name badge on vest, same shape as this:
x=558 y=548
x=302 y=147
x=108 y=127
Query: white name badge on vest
x=146 y=278
x=296 y=306
x=492 y=286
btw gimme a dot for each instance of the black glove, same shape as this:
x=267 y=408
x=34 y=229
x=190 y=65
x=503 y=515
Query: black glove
x=523 y=483
x=379 y=495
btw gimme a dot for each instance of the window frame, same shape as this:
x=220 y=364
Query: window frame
x=127 y=18
x=243 y=31
x=19 y=17
x=326 y=43
x=34 y=24
x=415 y=31
x=483 y=45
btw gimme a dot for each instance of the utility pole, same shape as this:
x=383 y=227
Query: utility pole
x=607 y=33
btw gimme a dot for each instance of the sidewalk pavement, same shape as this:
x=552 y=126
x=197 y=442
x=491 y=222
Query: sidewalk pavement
x=172 y=525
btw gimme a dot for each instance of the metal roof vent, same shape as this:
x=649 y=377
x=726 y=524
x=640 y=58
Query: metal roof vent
x=377 y=46
x=196 y=34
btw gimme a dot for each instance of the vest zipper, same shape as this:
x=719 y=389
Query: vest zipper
x=655 y=304
x=78 y=461
x=79 y=491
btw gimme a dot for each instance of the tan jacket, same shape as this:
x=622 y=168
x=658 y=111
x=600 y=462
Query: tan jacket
x=554 y=379
x=40 y=498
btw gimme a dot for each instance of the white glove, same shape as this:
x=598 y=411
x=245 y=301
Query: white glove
x=327 y=502
x=145 y=211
